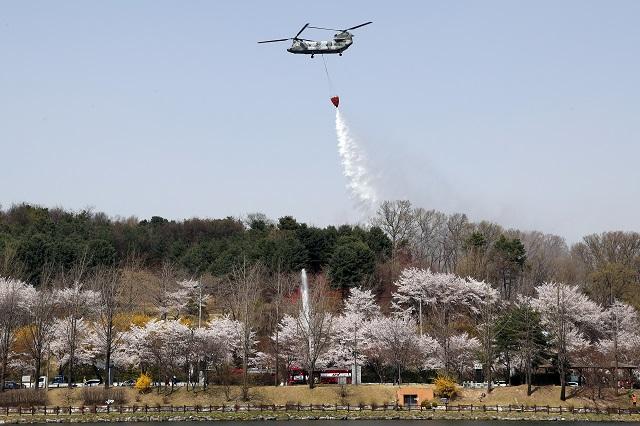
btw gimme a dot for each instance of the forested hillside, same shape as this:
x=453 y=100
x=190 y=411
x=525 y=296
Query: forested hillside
x=33 y=239
x=607 y=266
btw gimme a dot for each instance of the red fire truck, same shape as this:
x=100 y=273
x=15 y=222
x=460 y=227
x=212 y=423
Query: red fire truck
x=335 y=376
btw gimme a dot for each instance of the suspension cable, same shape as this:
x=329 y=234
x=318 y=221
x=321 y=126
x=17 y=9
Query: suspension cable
x=326 y=70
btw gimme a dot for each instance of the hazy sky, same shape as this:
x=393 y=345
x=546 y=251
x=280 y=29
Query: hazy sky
x=522 y=112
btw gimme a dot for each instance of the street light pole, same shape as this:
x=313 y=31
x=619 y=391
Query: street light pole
x=200 y=305
x=199 y=324
x=354 y=379
x=420 y=314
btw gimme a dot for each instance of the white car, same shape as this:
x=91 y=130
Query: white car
x=573 y=384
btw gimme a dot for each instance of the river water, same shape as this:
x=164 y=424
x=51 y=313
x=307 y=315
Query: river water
x=363 y=423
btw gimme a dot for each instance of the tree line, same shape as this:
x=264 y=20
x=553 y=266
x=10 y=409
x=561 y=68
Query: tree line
x=414 y=292
x=437 y=323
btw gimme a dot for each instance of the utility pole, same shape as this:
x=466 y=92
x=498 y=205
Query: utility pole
x=200 y=306
x=354 y=378
x=199 y=324
x=420 y=315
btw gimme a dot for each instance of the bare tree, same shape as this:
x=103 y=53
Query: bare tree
x=166 y=283
x=280 y=287
x=457 y=230
x=430 y=225
x=108 y=284
x=396 y=219
x=242 y=293
x=315 y=326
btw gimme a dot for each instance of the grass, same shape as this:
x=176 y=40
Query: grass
x=352 y=395
x=215 y=395
x=542 y=396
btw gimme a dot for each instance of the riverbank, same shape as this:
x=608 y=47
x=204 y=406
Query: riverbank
x=353 y=395
x=318 y=415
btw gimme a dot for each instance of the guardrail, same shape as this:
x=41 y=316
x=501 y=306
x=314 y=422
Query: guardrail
x=150 y=409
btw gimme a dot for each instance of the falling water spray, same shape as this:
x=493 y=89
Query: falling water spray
x=304 y=293
x=354 y=168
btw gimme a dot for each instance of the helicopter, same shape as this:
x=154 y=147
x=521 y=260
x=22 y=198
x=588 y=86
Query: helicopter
x=341 y=42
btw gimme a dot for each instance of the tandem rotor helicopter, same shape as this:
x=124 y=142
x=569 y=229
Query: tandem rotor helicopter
x=341 y=42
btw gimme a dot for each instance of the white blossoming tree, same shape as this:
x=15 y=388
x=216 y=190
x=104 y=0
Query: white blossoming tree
x=442 y=298
x=77 y=306
x=567 y=315
x=13 y=294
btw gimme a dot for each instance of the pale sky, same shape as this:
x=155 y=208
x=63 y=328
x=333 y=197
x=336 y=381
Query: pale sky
x=521 y=112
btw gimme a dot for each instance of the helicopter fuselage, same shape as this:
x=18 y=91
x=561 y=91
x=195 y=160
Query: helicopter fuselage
x=339 y=44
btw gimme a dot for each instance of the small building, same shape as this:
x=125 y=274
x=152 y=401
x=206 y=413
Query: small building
x=413 y=396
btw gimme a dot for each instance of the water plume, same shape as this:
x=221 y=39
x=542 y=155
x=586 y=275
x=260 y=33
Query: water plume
x=304 y=294
x=354 y=168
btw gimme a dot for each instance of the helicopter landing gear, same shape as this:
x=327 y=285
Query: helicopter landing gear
x=311 y=56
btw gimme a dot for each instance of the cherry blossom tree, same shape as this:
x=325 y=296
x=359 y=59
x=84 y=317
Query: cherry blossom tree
x=361 y=302
x=444 y=298
x=40 y=306
x=463 y=351
x=77 y=304
x=394 y=339
x=290 y=342
x=135 y=351
x=72 y=345
x=620 y=325
x=350 y=341
x=13 y=294
x=220 y=340
x=165 y=343
x=567 y=314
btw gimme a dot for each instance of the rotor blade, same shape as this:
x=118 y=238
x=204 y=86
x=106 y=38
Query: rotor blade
x=358 y=26
x=303 y=28
x=273 y=41
x=322 y=28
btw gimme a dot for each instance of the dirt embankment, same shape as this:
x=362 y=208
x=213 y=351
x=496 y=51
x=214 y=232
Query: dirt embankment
x=218 y=395
x=543 y=396
x=353 y=395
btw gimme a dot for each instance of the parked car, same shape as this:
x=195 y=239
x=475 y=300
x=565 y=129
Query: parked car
x=92 y=382
x=573 y=384
x=500 y=383
x=129 y=382
x=10 y=384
